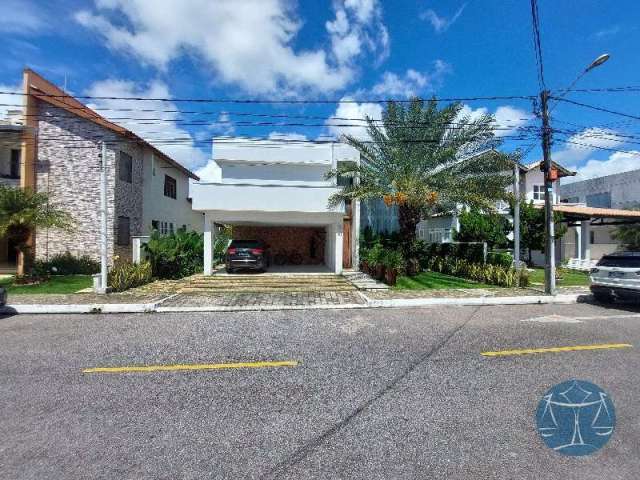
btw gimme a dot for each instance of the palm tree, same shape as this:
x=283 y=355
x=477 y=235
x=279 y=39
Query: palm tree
x=424 y=160
x=22 y=211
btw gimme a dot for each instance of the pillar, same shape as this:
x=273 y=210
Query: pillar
x=585 y=228
x=209 y=235
x=578 y=240
x=336 y=233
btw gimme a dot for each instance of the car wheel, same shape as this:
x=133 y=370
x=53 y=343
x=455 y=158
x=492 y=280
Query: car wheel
x=603 y=297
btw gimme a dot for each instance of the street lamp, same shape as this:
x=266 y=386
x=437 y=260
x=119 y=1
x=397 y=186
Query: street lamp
x=550 y=244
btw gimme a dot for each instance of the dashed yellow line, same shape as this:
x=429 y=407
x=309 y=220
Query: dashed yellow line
x=575 y=348
x=193 y=366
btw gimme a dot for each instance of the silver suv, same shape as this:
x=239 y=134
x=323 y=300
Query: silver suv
x=616 y=276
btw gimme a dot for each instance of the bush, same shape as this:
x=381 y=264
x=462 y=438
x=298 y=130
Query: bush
x=375 y=255
x=66 y=264
x=503 y=259
x=177 y=255
x=392 y=259
x=125 y=275
x=490 y=274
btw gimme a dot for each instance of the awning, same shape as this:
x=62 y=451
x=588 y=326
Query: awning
x=577 y=213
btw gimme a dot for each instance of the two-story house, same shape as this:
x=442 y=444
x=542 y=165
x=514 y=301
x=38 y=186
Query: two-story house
x=278 y=192
x=57 y=149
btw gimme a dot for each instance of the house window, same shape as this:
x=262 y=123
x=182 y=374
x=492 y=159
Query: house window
x=124 y=231
x=155 y=225
x=592 y=237
x=15 y=164
x=170 y=187
x=599 y=200
x=538 y=192
x=125 y=167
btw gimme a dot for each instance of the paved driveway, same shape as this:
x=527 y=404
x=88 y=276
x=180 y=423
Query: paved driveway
x=397 y=393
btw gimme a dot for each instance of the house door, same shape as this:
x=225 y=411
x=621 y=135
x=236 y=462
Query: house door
x=346 y=243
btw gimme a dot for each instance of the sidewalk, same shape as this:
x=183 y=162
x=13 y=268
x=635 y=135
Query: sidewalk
x=140 y=301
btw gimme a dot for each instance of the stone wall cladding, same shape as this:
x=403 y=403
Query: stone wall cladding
x=68 y=169
x=128 y=197
x=286 y=239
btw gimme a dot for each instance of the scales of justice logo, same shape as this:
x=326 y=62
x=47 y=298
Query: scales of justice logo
x=575 y=418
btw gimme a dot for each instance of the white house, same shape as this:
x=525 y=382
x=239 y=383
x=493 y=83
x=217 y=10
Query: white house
x=278 y=192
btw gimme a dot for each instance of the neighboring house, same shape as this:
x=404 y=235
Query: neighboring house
x=617 y=191
x=441 y=228
x=60 y=154
x=278 y=193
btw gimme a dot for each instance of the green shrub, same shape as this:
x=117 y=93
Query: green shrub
x=375 y=255
x=176 y=255
x=392 y=259
x=125 y=275
x=489 y=274
x=504 y=259
x=66 y=264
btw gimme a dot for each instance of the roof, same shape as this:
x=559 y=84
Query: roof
x=564 y=172
x=45 y=91
x=592 y=212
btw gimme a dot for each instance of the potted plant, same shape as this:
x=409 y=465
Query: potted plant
x=393 y=263
x=364 y=263
x=374 y=260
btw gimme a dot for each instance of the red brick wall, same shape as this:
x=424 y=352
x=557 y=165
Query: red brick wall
x=287 y=239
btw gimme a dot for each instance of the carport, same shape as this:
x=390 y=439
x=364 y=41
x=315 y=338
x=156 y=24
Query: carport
x=583 y=218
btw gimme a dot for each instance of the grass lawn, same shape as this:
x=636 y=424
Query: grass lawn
x=570 y=278
x=61 y=284
x=434 y=280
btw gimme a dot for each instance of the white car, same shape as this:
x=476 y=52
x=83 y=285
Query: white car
x=616 y=275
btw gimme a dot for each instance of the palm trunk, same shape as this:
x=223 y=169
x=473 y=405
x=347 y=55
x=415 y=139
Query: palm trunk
x=408 y=218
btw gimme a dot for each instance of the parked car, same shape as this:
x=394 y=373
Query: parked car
x=616 y=276
x=247 y=254
x=3 y=296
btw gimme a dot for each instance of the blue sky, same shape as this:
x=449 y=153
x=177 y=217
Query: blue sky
x=310 y=49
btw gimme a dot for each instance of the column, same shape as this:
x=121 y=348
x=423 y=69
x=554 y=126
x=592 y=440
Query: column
x=585 y=228
x=208 y=245
x=337 y=246
x=578 y=240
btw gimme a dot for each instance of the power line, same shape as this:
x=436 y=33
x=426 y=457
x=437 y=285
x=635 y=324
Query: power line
x=537 y=44
x=594 y=107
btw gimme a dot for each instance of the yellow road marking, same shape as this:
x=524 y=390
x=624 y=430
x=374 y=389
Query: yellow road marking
x=526 y=351
x=192 y=366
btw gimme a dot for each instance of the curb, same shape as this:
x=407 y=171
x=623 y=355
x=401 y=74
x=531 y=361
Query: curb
x=370 y=303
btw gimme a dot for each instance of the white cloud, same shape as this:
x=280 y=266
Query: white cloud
x=608 y=32
x=287 y=136
x=507 y=118
x=581 y=145
x=412 y=83
x=211 y=172
x=7 y=100
x=248 y=44
x=441 y=24
x=20 y=17
x=160 y=129
x=617 y=162
x=353 y=114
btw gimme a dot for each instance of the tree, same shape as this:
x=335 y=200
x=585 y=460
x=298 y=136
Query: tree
x=477 y=226
x=532 y=227
x=628 y=236
x=425 y=159
x=22 y=211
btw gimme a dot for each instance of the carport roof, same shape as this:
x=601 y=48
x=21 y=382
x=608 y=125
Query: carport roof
x=578 y=212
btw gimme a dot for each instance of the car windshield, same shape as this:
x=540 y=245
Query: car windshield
x=246 y=244
x=621 y=261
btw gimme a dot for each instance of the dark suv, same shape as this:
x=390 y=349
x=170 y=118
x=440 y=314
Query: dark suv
x=247 y=254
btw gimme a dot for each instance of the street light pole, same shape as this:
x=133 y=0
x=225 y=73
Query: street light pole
x=550 y=257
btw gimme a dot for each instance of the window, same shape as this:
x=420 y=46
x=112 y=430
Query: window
x=599 y=200
x=171 y=228
x=124 y=231
x=15 y=164
x=125 y=167
x=170 y=187
x=592 y=237
x=538 y=192
x=155 y=225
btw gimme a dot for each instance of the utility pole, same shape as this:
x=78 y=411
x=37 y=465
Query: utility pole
x=103 y=219
x=516 y=214
x=550 y=257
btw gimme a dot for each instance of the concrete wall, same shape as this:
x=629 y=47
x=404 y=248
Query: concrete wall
x=261 y=174
x=156 y=206
x=624 y=188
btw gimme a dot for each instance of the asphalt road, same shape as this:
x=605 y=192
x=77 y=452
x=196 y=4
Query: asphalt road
x=377 y=394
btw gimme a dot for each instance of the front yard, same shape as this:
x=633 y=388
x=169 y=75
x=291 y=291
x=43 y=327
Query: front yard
x=56 y=284
x=569 y=278
x=433 y=280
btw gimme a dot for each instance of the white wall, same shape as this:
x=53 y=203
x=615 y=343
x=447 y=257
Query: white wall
x=536 y=177
x=624 y=188
x=156 y=206
x=280 y=174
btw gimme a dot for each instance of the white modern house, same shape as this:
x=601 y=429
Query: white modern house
x=278 y=192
